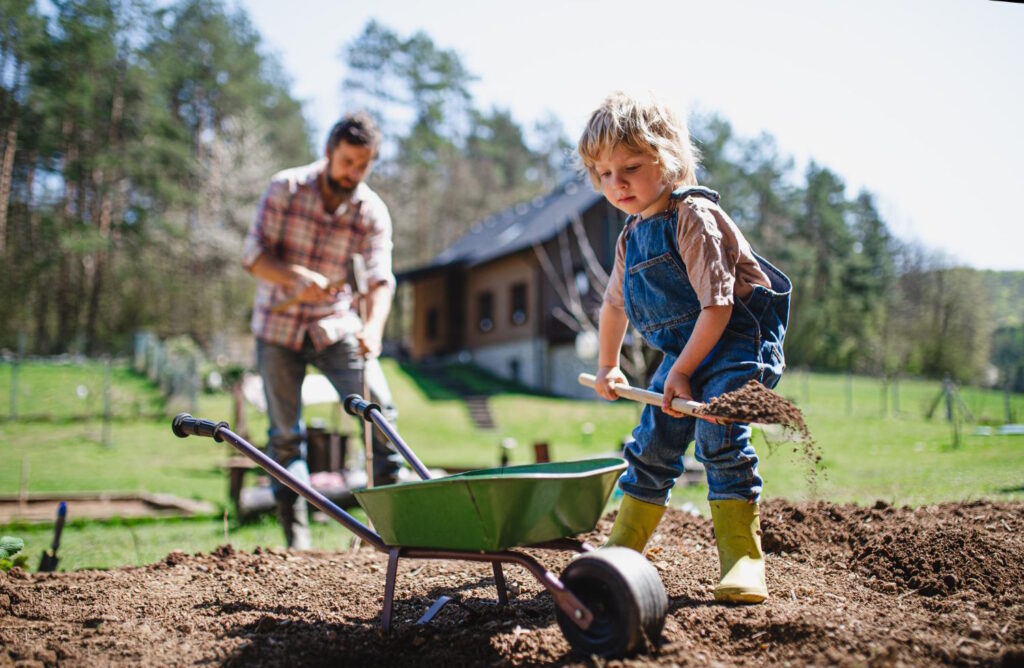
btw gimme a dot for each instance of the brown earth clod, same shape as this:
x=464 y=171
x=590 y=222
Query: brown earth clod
x=753 y=402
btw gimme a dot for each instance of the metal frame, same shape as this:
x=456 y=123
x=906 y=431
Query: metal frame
x=185 y=425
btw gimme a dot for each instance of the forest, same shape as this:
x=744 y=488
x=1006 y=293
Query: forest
x=136 y=141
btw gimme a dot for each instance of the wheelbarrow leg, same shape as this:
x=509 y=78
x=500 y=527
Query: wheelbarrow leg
x=389 y=588
x=499 y=581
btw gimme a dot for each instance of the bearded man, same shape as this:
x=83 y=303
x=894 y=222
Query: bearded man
x=310 y=224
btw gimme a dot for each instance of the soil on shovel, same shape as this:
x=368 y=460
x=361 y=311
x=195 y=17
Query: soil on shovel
x=756 y=403
x=864 y=586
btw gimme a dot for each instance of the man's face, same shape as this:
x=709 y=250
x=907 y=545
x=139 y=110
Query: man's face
x=347 y=166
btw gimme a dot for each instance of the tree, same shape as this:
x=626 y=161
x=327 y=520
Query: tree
x=126 y=134
x=241 y=124
x=941 y=316
x=22 y=31
x=445 y=164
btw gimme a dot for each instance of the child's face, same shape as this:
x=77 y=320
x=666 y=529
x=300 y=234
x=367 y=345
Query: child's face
x=632 y=182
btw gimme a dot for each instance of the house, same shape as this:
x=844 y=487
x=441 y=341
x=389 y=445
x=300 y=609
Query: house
x=510 y=295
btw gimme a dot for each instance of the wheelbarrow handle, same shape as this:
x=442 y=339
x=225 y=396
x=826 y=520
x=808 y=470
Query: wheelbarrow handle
x=185 y=425
x=692 y=408
x=356 y=406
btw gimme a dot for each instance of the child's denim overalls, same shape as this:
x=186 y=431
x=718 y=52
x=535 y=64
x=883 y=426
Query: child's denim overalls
x=662 y=305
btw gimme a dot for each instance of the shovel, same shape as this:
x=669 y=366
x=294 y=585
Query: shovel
x=48 y=563
x=691 y=408
x=363 y=289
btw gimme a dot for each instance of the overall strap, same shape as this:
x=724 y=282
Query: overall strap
x=680 y=194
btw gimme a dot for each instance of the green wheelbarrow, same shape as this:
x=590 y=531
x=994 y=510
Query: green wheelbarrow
x=609 y=602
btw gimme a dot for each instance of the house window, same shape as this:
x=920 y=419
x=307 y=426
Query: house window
x=518 y=313
x=432 y=324
x=485 y=311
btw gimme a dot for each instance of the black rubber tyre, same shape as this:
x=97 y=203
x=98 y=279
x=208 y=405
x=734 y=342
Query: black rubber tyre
x=624 y=592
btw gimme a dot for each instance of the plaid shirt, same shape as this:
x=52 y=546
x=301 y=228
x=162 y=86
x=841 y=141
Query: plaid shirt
x=291 y=225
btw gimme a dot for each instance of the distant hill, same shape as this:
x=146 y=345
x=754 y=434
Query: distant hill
x=1007 y=290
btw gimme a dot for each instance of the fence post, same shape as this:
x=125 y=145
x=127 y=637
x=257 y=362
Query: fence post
x=947 y=391
x=193 y=383
x=106 y=402
x=14 y=386
x=14 y=374
x=849 y=392
x=1006 y=399
x=139 y=348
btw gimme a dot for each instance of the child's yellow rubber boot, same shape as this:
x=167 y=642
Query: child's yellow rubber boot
x=738 y=534
x=635 y=523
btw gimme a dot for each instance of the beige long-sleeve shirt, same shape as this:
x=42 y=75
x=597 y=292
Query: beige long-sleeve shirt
x=719 y=261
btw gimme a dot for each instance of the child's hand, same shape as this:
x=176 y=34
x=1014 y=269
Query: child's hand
x=607 y=378
x=677 y=384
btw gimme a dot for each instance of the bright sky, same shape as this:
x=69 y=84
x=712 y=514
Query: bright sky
x=919 y=101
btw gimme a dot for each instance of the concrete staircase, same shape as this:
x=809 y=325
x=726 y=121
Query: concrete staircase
x=480 y=411
x=478 y=404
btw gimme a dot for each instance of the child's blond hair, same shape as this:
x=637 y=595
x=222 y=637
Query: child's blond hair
x=641 y=125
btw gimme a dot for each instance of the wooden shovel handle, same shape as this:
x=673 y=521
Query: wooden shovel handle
x=653 y=398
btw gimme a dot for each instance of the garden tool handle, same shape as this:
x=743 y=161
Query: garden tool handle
x=62 y=511
x=647 y=397
x=186 y=425
x=361 y=280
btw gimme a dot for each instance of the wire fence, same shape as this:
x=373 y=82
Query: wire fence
x=78 y=388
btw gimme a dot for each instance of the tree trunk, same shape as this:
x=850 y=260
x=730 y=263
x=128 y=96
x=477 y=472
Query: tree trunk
x=62 y=290
x=6 y=175
x=106 y=216
x=10 y=147
x=33 y=239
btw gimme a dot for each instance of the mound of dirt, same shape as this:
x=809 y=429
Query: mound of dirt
x=943 y=555
x=874 y=586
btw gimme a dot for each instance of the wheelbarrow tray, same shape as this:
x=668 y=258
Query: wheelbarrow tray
x=493 y=509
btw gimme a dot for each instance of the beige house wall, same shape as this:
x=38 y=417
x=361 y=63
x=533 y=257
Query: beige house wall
x=429 y=294
x=498 y=277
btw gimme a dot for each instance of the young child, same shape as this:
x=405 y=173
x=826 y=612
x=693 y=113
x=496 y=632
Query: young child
x=688 y=281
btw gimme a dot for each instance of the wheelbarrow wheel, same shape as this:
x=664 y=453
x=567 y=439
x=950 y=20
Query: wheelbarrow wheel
x=625 y=594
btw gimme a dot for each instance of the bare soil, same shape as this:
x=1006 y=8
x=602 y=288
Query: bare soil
x=878 y=586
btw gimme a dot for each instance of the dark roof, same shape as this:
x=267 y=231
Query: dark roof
x=517 y=227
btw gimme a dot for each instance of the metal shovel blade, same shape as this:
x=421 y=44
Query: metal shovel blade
x=48 y=563
x=49 y=560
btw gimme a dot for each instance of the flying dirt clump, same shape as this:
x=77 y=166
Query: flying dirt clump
x=756 y=403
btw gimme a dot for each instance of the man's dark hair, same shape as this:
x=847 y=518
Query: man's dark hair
x=358 y=129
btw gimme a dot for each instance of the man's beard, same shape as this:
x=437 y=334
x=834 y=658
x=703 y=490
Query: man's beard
x=338 y=189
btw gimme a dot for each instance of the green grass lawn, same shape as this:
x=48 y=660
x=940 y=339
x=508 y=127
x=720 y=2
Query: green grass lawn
x=868 y=452
x=74 y=390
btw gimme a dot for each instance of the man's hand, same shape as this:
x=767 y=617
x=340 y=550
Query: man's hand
x=606 y=379
x=677 y=384
x=310 y=286
x=369 y=338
